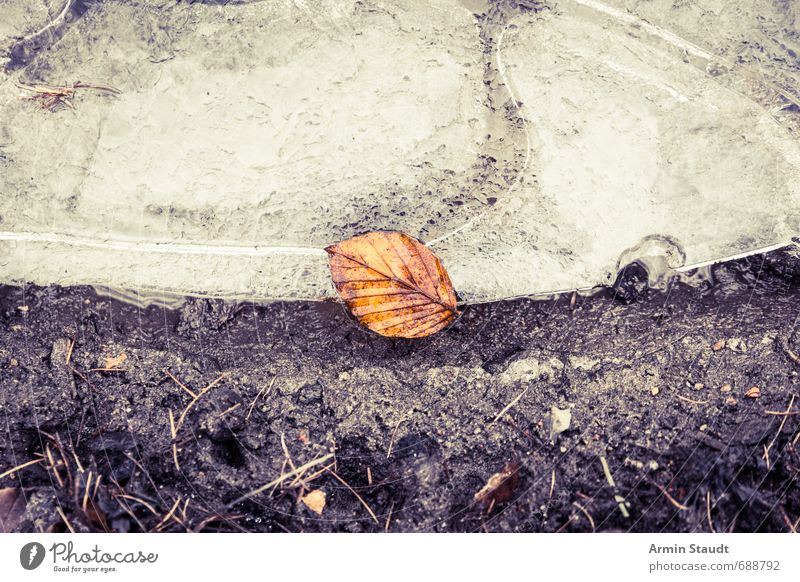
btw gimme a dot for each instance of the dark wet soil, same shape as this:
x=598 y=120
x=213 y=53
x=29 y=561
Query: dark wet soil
x=657 y=385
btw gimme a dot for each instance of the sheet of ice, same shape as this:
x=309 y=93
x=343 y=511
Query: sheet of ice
x=533 y=154
x=637 y=138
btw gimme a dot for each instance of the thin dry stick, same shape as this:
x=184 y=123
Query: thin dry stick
x=552 y=483
x=196 y=398
x=266 y=389
x=391 y=440
x=96 y=486
x=227 y=410
x=19 y=467
x=510 y=404
x=64 y=518
x=792 y=527
x=184 y=508
x=86 y=492
x=53 y=466
x=708 y=512
x=138 y=500
x=389 y=518
x=286 y=452
x=77 y=460
x=586 y=513
x=307 y=480
x=670 y=498
x=689 y=400
x=618 y=498
x=780 y=428
x=181 y=384
x=174 y=434
x=168 y=516
x=281 y=479
x=127 y=510
x=354 y=492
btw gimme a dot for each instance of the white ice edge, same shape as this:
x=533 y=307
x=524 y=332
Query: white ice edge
x=160 y=247
x=231 y=249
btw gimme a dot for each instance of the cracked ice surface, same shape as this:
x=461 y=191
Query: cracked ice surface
x=531 y=151
x=635 y=135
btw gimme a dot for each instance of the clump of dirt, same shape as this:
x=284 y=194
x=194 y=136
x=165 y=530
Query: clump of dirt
x=216 y=400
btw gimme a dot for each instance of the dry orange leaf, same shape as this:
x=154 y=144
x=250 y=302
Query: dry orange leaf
x=393 y=284
x=12 y=509
x=314 y=500
x=112 y=363
x=753 y=392
x=500 y=486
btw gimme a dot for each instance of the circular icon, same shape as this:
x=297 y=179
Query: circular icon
x=31 y=555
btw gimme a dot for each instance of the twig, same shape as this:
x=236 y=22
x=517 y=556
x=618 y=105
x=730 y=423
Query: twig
x=19 y=467
x=670 y=498
x=64 y=518
x=149 y=507
x=691 y=401
x=128 y=510
x=389 y=518
x=181 y=384
x=391 y=440
x=354 y=492
x=509 y=405
x=587 y=514
x=780 y=428
x=268 y=389
x=708 y=512
x=167 y=517
x=52 y=462
x=281 y=479
x=196 y=398
x=618 y=498
x=174 y=433
x=86 y=492
x=230 y=409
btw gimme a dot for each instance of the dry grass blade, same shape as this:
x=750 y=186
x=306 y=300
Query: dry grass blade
x=393 y=284
x=283 y=478
x=174 y=435
x=195 y=399
x=64 y=519
x=360 y=499
x=50 y=97
x=669 y=497
x=18 y=467
x=265 y=391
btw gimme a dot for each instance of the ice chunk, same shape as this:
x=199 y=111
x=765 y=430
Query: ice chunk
x=534 y=153
x=265 y=125
x=635 y=136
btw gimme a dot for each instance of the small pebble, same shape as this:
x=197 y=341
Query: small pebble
x=699 y=386
x=730 y=401
x=726 y=388
x=654 y=391
x=718 y=345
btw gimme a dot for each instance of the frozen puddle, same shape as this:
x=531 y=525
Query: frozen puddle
x=248 y=137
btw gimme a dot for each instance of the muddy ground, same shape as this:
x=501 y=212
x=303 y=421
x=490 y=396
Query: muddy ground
x=657 y=385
